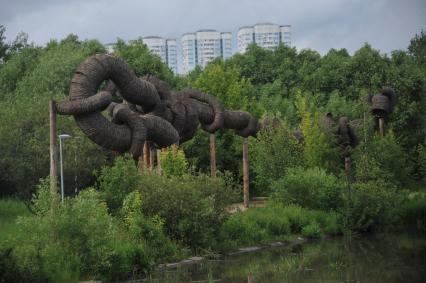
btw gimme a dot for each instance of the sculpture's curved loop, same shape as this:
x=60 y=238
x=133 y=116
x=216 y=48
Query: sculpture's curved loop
x=217 y=107
x=98 y=102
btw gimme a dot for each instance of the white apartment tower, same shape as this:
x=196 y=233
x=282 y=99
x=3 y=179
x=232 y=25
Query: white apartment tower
x=265 y=35
x=203 y=46
x=164 y=48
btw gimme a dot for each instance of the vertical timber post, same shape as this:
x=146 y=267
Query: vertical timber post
x=146 y=149
x=158 y=162
x=382 y=126
x=246 y=172
x=348 y=162
x=151 y=159
x=212 y=155
x=52 y=149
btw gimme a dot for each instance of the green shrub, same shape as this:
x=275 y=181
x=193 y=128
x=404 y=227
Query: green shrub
x=372 y=204
x=116 y=181
x=148 y=231
x=75 y=239
x=10 y=210
x=276 y=222
x=173 y=161
x=275 y=150
x=312 y=230
x=413 y=212
x=192 y=207
x=382 y=158
x=311 y=188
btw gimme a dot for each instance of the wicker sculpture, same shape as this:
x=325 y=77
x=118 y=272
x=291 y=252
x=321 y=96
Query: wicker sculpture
x=344 y=129
x=148 y=110
x=382 y=103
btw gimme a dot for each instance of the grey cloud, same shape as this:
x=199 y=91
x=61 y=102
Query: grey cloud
x=319 y=25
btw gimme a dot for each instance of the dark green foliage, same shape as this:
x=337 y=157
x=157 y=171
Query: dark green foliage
x=272 y=154
x=192 y=207
x=276 y=222
x=417 y=47
x=382 y=158
x=79 y=239
x=413 y=212
x=137 y=55
x=371 y=205
x=33 y=77
x=116 y=181
x=74 y=239
x=173 y=161
x=311 y=188
x=3 y=45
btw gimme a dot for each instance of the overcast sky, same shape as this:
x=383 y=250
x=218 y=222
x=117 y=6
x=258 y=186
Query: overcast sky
x=319 y=25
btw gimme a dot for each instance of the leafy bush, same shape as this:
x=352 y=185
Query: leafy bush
x=149 y=231
x=116 y=181
x=275 y=150
x=193 y=207
x=392 y=162
x=372 y=204
x=75 y=239
x=173 y=161
x=413 y=212
x=310 y=188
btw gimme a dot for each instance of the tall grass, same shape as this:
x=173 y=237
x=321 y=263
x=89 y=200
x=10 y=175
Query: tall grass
x=10 y=209
x=277 y=222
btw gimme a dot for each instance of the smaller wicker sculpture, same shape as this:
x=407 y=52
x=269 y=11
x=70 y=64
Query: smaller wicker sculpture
x=382 y=103
x=344 y=129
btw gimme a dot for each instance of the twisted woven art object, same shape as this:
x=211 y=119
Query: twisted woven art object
x=147 y=108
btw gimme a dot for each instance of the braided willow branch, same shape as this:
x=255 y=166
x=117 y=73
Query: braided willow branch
x=149 y=109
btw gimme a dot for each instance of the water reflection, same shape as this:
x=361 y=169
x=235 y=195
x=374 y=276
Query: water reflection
x=385 y=258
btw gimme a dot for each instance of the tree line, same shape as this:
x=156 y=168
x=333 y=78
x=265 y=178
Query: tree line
x=295 y=86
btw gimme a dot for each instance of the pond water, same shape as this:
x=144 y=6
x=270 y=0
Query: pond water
x=379 y=258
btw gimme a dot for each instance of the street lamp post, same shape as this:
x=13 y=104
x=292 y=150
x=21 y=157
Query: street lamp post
x=62 y=137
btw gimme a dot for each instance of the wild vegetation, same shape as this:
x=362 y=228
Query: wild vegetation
x=117 y=223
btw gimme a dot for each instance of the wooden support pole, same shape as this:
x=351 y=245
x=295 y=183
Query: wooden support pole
x=146 y=149
x=246 y=172
x=382 y=126
x=213 y=155
x=151 y=159
x=52 y=149
x=158 y=162
x=348 y=163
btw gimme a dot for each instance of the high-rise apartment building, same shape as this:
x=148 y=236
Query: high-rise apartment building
x=165 y=48
x=265 y=35
x=203 y=46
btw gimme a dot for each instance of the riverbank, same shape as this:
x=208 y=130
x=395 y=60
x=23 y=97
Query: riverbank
x=368 y=258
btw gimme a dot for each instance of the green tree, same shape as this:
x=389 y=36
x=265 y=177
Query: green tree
x=142 y=61
x=320 y=148
x=3 y=45
x=273 y=152
x=417 y=47
x=34 y=77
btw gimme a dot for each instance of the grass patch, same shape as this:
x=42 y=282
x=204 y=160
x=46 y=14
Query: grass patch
x=276 y=222
x=10 y=209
